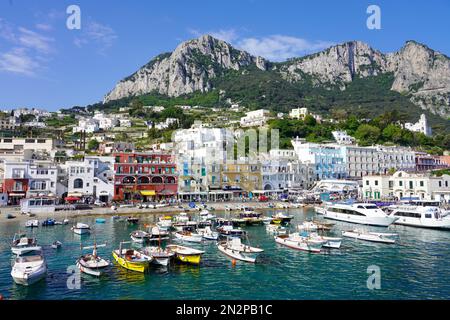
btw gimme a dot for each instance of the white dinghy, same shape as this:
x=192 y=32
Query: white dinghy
x=91 y=263
x=370 y=236
x=81 y=228
x=234 y=248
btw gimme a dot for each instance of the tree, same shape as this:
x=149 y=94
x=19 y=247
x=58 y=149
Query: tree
x=392 y=133
x=93 y=144
x=367 y=134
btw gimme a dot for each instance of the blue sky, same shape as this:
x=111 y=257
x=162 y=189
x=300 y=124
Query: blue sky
x=43 y=64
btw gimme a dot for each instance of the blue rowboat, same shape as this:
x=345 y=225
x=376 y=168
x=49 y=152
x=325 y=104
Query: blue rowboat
x=100 y=220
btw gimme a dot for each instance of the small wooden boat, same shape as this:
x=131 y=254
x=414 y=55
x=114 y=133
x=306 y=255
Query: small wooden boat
x=314 y=226
x=91 y=263
x=130 y=259
x=30 y=269
x=21 y=244
x=10 y=216
x=186 y=254
x=32 y=224
x=206 y=215
x=188 y=236
x=140 y=236
x=328 y=242
x=234 y=248
x=165 y=222
x=159 y=255
x=81 y=228
x=56 y=245
x=230 y=231
x=299 y=243
x=370 y=236
x=157 y=233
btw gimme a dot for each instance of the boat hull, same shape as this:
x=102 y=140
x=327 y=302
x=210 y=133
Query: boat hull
x=370 y=238
x=235 y=254
x=298 y=245
x=371 y=221
x=24 y=250
x=26 y=278
x=130 y=265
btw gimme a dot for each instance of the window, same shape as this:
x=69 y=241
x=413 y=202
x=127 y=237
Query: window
x=421 y=183
x=78 y=184
x=376 y=182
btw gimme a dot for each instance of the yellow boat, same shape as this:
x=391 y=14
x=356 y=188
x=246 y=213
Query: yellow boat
x=186 y=254
x=131 y=259
x=277 y=221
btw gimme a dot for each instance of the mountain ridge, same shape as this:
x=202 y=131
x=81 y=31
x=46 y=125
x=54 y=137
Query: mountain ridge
x=196 y=65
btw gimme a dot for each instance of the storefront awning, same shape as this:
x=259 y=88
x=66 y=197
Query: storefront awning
x=148 y=192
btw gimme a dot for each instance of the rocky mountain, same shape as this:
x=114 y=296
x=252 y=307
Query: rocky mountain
x=420 y=73
x=187 y=69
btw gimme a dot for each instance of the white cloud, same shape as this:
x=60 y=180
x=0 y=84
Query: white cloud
x=26 y=51
x=44 y=26
x=18 y=61
x=98 y=34
x=281 y=47
x=34 y=40
x=272 y=47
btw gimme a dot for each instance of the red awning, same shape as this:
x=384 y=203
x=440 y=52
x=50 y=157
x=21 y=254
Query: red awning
x=72 y=199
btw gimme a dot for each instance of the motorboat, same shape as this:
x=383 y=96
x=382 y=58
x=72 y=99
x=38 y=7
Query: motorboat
x=314 y=226
x=181 y=217
x=234 y=248
x=157 y=233
x=48 y=222
x=186 y=254
x=165 y=222
x=267 y=220
x=30 y=269
x=160 y=256
x=328 y=242
x=56 y=244
x=416 y=215
x=370 y=236
x=251 y=217
x=206 y=215
x=22 y=245
x=92 y=264
x=284 y=218
x=231 y=231
x=275 y=229
x=81 y=228
x=188 y=236
x=208 y=234
x=140 y=236
x=32 y=224
x=131 y=259
x=360 y=213
x=295 y=241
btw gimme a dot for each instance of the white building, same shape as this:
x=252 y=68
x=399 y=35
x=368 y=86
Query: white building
x=328 y=161
x=105 y=122
x=298 y=113
x=166 y=124
x=255 y=118
x=87 y=125
x=199 y=152
x=342 y=137
x=125 y=123
x=92 y=178
x=420 y=126
x=17 y=149
x=406 y=185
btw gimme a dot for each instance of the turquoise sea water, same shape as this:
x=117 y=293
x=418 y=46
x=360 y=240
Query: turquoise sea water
x=416 y=268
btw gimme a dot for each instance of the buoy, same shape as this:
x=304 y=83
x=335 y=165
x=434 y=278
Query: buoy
x=233 y=262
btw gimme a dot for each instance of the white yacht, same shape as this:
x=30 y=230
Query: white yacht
x=361 y=213
x=81 y=228
x=416 y=215
x=29 y=269
x=21 y=244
